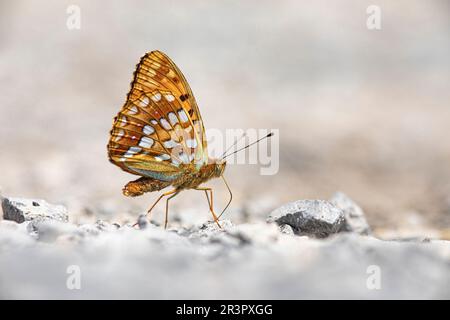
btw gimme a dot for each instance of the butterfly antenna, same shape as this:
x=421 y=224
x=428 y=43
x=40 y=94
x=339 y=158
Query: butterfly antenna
x=235 y=142
x=249 y=145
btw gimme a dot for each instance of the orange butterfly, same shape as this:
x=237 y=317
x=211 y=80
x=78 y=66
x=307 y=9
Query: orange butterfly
x=159 y=135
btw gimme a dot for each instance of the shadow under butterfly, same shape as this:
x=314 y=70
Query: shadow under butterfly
x=159 y=135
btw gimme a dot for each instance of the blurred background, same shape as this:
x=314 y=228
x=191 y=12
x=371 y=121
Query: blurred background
x=361 y=111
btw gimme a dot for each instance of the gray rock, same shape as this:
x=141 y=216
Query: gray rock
x=21 y=209
x=355 y=220
x=317 y=218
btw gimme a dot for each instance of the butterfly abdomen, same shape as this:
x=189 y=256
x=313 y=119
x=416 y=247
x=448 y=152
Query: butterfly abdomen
x=142 y=185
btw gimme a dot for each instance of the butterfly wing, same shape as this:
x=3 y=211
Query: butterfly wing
x=159 y=129
x=166 y=74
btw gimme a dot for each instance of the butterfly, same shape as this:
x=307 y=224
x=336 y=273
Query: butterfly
x=159 y=135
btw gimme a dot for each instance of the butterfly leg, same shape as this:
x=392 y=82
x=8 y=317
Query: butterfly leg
x=160 y=197
x=156 y=202
x=211 y=204
x=207 y=198
x=167 y=208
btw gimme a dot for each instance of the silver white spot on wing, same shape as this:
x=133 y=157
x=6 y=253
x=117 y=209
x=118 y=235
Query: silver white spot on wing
x=132 y=151
x=170 y=144
x=146 y=142
x=153 y=122
x=122 y=121
x=173 y=118
x=148 y=130
x=165 y=124
x=162 y=157
x=144 y=102
x=133 y=110
x=119 y=135
x=183 y=116
x=156 y=97
x=184 y=158
x=191 y=143
x=169 y=97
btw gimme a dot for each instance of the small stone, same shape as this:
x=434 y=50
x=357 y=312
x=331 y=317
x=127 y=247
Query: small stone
x=104 y=226
x=86 y=230
x=21 y=210
x=142 y=221
x=286 y=229
x=355 y=220
x=317 y=218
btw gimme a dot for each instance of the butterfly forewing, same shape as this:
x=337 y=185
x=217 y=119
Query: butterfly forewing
x=165 y=74
x=159 y=127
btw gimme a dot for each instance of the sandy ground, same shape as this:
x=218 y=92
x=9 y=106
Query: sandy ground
x=364 y=112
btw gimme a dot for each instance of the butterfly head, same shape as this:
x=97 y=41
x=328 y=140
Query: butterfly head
x=218 y=166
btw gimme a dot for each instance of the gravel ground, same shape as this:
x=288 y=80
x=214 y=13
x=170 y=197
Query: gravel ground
x=44 y=257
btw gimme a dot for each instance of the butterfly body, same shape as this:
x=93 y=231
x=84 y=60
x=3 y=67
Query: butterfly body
x=159 y=133
x=191 y=180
